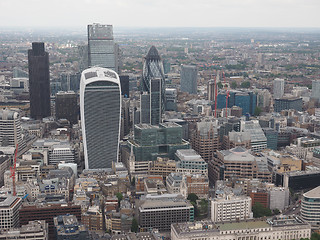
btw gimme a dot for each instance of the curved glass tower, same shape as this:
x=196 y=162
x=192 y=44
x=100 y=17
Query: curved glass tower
x=153 y=68
x=100 y=109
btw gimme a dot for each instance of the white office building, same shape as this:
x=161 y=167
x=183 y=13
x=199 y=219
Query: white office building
x=278 y=88
x=231 y=208
x=9 y=211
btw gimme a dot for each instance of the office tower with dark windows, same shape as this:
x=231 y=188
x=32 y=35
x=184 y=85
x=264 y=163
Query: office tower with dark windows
x=67 y=106
x=153 y=69
x=39 y=81
x=124 y=81
x=100 y=109
x=188 y=79
x=101 y=47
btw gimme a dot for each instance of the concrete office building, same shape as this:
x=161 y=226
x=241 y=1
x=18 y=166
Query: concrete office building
x=39 y=81
x=61 y=153
x=278 y=198
x=10 y=129
x=278 y=88
x=160 y=214
x=9 y=212
x=258 y=139
x=230 y=208
x=204 y=139
x=238 y=163
x=102 y=50
x=66 y=106
x=34 y=230
x=315 y=94
x=310 y=204
x=171 y=99
x=188 y=161
x=188 y=76
x=100 y=108
x=279 y=227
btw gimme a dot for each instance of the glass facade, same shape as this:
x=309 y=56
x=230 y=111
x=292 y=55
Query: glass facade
x=188 y=79
x=153 y=69
x=100 y=105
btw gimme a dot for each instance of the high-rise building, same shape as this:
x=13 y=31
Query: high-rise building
x=211 y=90
x=278 y=88
x=153 y=68
x=100 y=108
x=10 y=129
x=101 y=48
x=67 y=106
x=188 y=82
x=316 y=89
x=124 y=81
x=39 y=81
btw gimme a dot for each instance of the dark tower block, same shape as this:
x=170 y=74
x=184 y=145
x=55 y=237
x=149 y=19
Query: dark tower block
x=39 y=81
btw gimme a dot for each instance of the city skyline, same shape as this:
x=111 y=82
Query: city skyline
x=230 y=13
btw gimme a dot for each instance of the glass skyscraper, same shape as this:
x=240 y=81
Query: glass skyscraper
x=153 y=71
x=39 y=81
x=101 y=47
x=100 y=108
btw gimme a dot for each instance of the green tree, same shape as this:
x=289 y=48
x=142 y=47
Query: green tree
x=257 y=111
x=315 y=236
x=192 y=197
x=134 y=225
x=220 y=85
x=120 y=197
x=245 y=84
x=260 y=211
x=234 y=85
x=276 y=211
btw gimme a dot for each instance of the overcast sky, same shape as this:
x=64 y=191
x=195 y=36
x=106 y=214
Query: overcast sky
x=160 y=13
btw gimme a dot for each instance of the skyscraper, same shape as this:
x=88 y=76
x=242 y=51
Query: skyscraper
x=100 y=108
x=316 y=90
x=101 y=47
x=39 y=81
x=278 y=88
x=153 y=68
x=188 y=79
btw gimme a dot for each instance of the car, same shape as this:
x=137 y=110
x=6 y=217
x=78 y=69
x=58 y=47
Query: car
x=293 y=208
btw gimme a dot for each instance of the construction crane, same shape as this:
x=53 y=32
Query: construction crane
x=227 y=92
x=13 y=172
x=215 y=96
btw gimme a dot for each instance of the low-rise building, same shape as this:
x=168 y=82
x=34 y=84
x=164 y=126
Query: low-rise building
x=282 y=227
x=230 y=208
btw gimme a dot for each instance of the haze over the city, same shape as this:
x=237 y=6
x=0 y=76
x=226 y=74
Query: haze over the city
x=165 y=13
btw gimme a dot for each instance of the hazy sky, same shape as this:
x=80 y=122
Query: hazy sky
x=160 y=13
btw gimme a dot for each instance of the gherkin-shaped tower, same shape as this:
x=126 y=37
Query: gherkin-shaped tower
x=153 y=69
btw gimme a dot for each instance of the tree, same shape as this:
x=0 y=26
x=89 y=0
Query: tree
x=245 y=84
x=260 y=211
x=315 y=236
x=234 y=85
x=257 y=111
x=276 y=211
x=134 y=225
x=220 y=85
x=120 y=197
x=192 y=197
